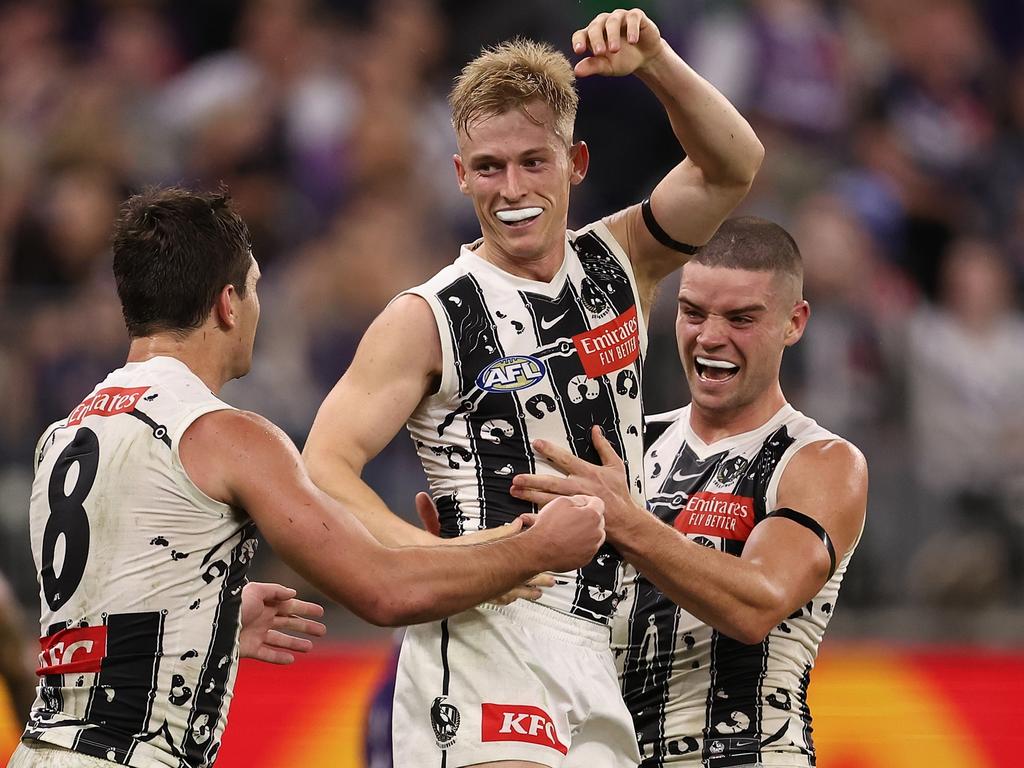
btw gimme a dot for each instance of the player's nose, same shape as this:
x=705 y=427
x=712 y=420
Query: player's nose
x=712 y=333
x=513 y=188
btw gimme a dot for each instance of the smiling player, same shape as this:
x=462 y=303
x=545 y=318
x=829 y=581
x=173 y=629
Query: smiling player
x=757 y=511
x=534 y=331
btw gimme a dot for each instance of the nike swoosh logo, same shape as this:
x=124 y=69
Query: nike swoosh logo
x=743 y=743
x=679 y=477
x=547 y=325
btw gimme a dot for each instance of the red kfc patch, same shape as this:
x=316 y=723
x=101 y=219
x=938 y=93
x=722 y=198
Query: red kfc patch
x=517 y=722
x=80 y=649
x=107 y=402
x=611 y=346
x=717 y=514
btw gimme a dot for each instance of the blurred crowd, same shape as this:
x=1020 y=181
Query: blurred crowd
x=895 y=155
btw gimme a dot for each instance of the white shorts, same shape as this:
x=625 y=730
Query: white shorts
x=38 y=754
x=515 y=682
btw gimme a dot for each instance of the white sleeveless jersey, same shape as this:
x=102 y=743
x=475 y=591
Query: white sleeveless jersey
x=698 y=697
x=140 y=577
x=524 y=360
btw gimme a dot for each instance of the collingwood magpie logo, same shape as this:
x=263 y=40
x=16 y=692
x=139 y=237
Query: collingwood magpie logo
x=444 y=718
x=731 y=470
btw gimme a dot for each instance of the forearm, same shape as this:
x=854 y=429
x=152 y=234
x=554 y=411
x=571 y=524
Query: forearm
x=344 y=484
x=441 y=581
x=728 y=593
x=716 y=137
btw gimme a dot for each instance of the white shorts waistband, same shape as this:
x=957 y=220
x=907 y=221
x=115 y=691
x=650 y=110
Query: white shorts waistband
x=570 y=628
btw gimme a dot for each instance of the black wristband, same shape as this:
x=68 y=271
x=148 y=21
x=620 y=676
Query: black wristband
x=814 y=527
x=660 y=234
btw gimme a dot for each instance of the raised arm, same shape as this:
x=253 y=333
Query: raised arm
x=245 y=461
x=395 y=367
x=783 y=565
x=722 y=152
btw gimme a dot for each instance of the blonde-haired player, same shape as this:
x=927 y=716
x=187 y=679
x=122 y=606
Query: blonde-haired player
x=533 y=332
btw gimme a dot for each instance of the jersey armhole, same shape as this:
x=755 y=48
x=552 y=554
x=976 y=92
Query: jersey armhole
x=445 y=389
x=175 y=436
x=771 y=496
x=600 y=229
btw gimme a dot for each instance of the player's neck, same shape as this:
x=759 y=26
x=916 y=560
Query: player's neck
x=714 y=425
x=208 y=367
x=542 y=267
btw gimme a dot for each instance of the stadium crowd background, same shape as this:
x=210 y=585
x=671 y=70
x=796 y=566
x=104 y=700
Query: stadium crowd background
x=895 y=154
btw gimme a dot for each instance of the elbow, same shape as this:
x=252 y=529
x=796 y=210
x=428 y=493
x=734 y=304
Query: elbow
x=381 y=611
x=749 y=167
x=753 y=622
x=750 y=631
x=401 y=608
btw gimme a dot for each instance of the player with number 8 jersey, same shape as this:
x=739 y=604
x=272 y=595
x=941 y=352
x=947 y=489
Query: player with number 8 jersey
x=145 y=502
x=138 y=647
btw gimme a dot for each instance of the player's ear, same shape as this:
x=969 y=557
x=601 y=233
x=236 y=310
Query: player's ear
x=460 y=174
x=224 y=307
x=797 y=322
x=579 y=156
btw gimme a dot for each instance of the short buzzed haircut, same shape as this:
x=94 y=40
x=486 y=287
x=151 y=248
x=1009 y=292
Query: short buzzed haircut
x=755 y=244
x=510 y=75
x=174 y=251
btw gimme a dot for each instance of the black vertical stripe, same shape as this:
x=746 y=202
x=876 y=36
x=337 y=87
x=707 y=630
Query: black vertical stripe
x=805 y=714
x=647 y=669
x=733 y=728
x=122 y=697
x=497 y=429
x=582 y=403
x=446 y=672
x=53 y=696
x=445 y=677
x=601 y=266
x=198 y=742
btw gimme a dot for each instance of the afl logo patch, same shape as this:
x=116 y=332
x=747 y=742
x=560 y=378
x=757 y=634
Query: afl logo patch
x=511 y=373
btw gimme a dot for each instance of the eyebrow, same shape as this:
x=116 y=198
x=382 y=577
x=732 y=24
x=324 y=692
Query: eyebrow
x=746 y=310
x=488 y=157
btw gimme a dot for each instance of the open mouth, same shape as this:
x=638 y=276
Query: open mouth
x=518 y=217
x=715 y=370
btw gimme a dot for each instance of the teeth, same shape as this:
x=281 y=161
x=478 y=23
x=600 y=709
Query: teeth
x=708 y=363
x=518 y=214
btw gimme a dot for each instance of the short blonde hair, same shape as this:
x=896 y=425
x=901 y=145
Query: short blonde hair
x=508 y=76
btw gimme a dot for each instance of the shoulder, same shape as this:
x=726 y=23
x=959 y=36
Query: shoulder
x=408 y=308
x=833 y=465
x=232 y=432
x=408 y=328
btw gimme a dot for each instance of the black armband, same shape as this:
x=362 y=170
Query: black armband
x=660 y=234
x=814 y=527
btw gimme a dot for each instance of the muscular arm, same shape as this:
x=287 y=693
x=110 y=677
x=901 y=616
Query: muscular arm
x=783 y=564
x=394 y=368
x=722 y=152
x=245 y=461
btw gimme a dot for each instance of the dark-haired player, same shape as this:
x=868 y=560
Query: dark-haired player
x=756 y=512
x=145 y=502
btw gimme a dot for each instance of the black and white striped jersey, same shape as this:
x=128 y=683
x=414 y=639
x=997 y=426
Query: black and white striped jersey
x=526 y=360
x=140 y=577
x=698 y=697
